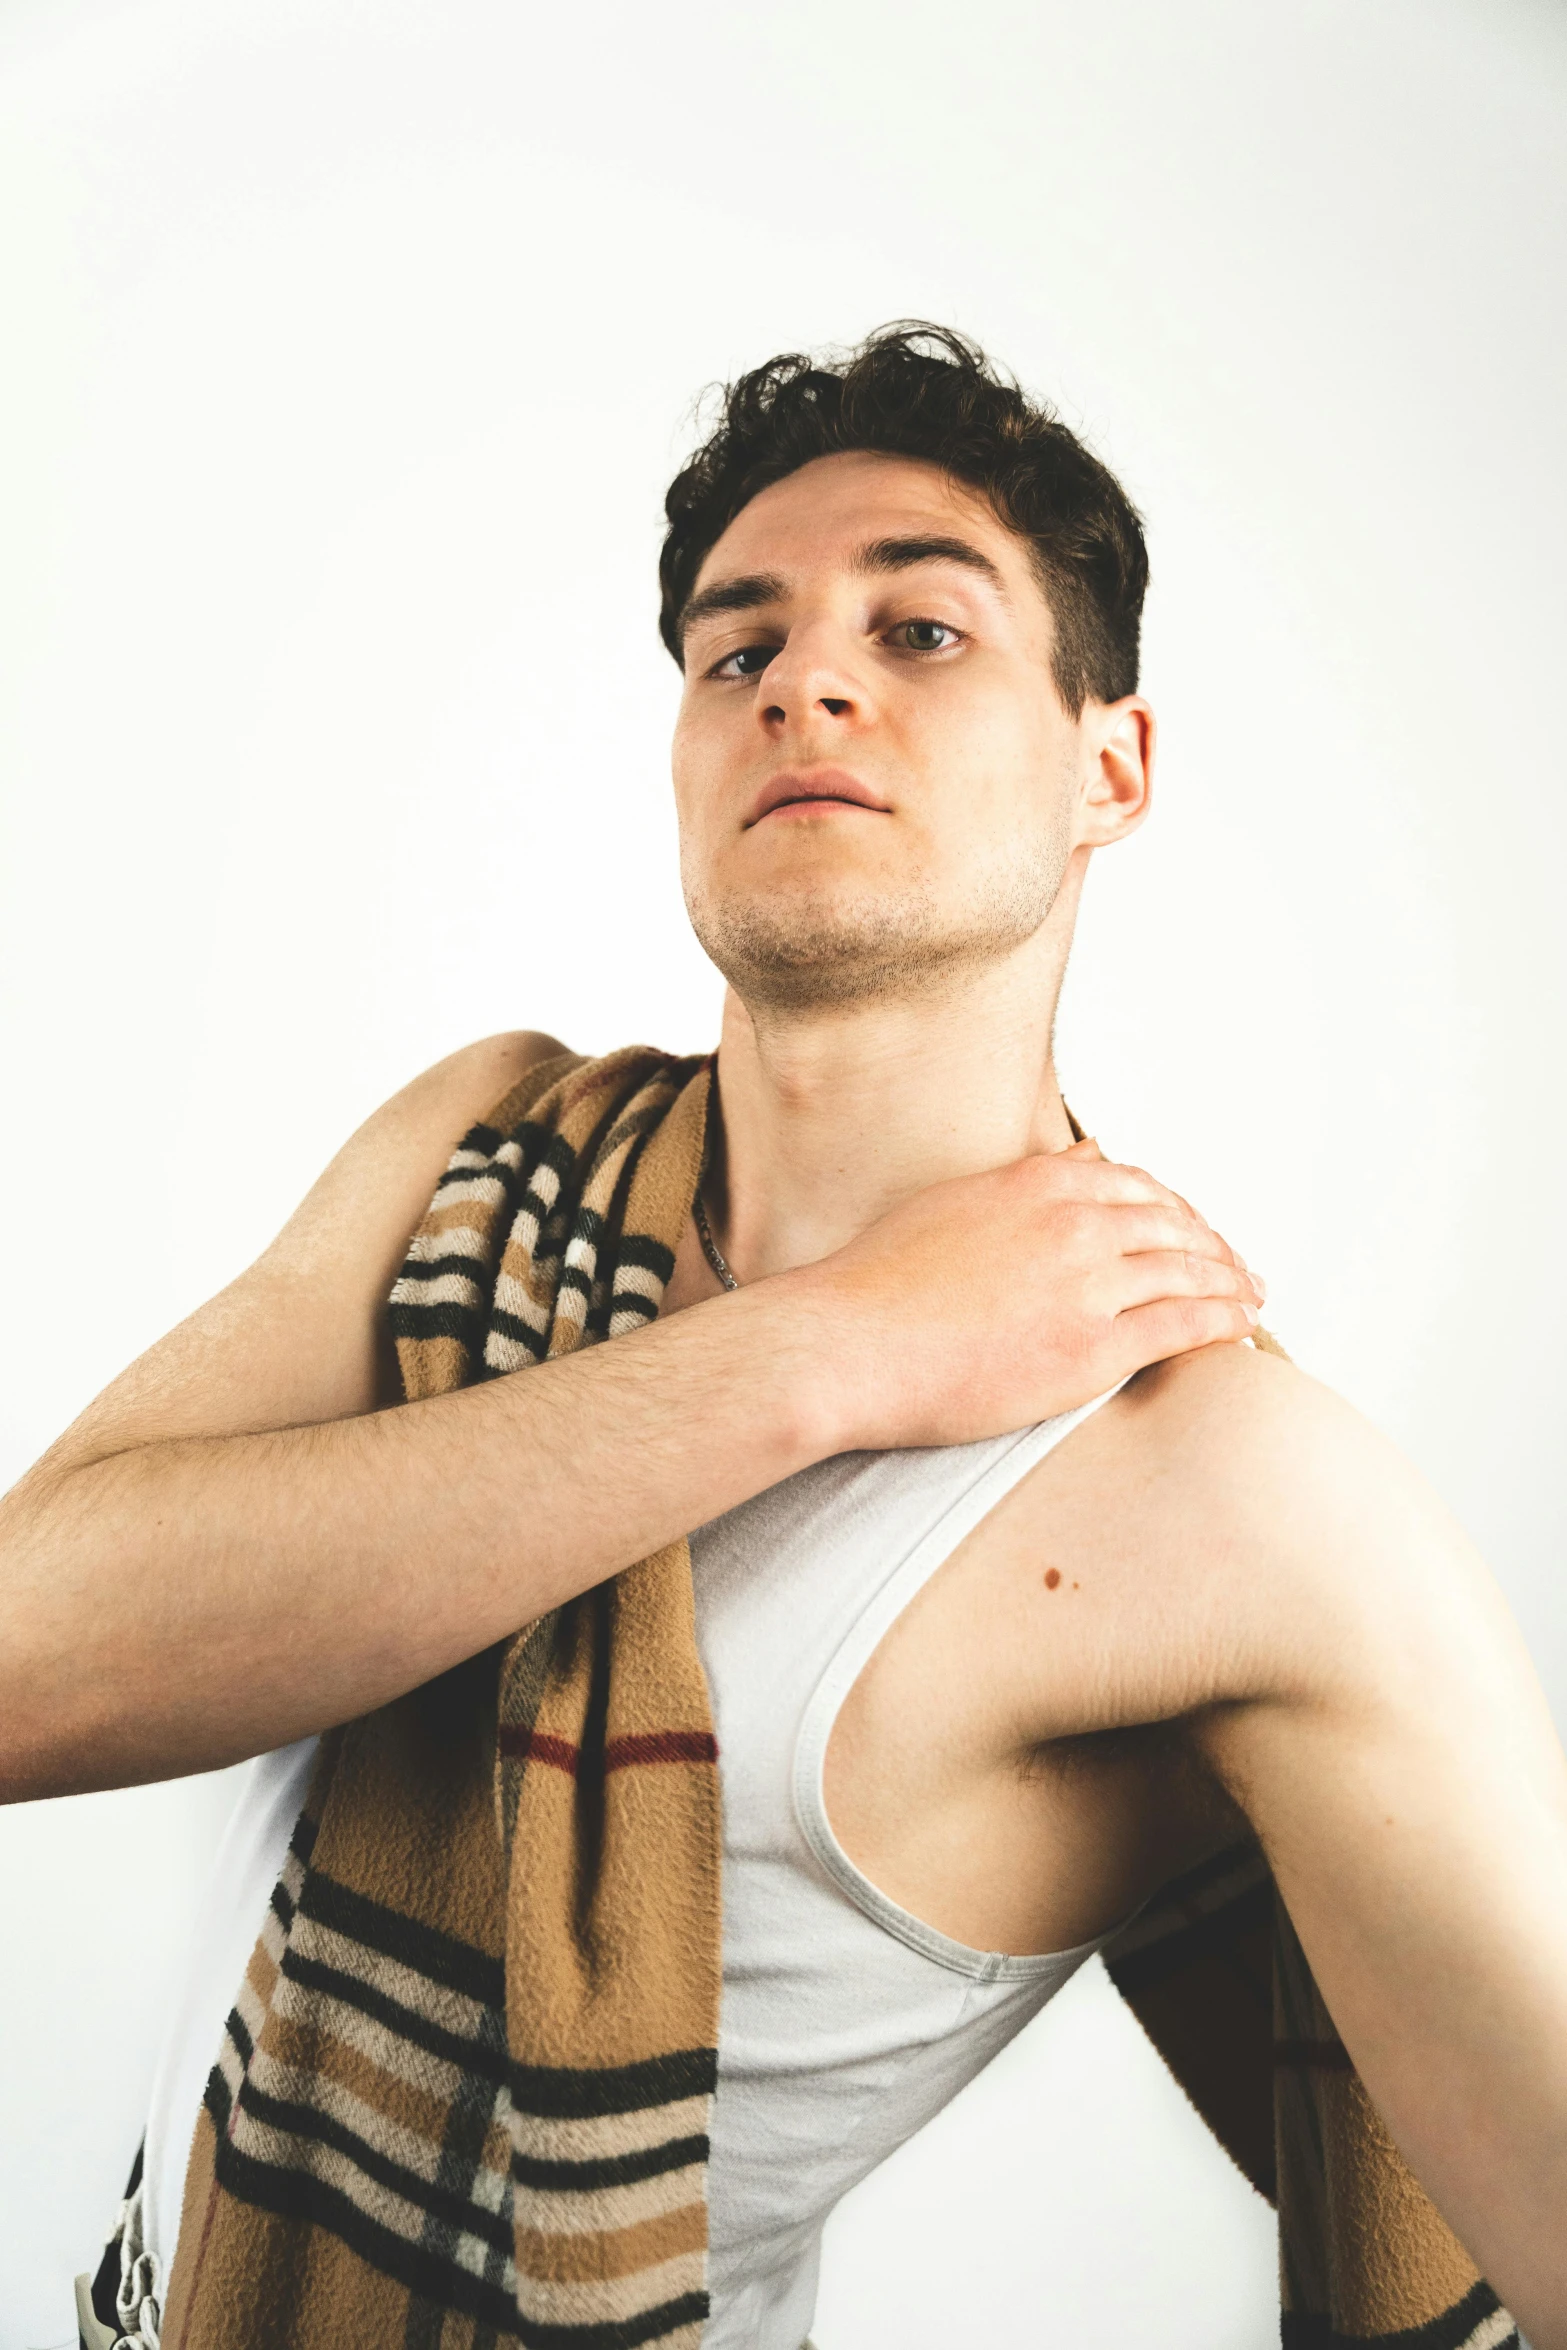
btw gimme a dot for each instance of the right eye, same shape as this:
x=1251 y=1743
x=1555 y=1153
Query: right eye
x=748 y=661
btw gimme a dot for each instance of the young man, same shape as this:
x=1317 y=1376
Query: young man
x=978 y=1696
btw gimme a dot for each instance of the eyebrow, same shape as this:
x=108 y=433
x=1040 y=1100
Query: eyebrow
x=735 y=595
x=903 y=554
x=754 y=588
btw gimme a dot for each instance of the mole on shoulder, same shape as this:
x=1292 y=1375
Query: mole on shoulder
x=1052 y=1578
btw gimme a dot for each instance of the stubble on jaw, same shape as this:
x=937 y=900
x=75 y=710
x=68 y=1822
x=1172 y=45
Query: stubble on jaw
x=825 y=949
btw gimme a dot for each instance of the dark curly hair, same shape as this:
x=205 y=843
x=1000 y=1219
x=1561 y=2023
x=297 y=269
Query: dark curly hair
x=915 y=390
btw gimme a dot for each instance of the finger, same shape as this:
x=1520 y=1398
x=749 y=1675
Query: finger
x=1112 y=1185
x=1203 y=1221
x=1185 y=1272
x=1174 y=1326
x=1084 y=1148
x=1184 y=1202
x=1137 y=1227
x=1166 y=1197
x=1108 y=1183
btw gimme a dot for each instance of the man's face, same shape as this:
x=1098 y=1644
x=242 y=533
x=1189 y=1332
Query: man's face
x=876 y=778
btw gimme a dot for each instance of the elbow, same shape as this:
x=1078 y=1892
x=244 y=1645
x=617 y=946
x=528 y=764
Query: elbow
x=48 y=1672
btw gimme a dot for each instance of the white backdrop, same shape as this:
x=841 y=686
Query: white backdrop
x=348 y=350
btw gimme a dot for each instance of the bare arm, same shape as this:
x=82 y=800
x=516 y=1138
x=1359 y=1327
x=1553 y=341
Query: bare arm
x=1400 y=1764
x=1229 y=1547
x=240 y=1542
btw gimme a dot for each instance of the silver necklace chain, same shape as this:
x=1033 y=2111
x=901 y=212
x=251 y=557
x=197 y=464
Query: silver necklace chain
x=710 y=1248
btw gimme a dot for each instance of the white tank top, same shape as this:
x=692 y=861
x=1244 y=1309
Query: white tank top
x=846 y=2023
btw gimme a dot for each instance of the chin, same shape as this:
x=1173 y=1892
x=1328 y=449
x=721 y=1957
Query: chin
x=797 y=951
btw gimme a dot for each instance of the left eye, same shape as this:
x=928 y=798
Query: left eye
x=923 y=636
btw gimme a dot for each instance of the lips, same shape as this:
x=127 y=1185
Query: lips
x=832 y=786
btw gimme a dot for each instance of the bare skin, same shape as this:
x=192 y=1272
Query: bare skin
x=233 y=1546
x=1224 y=1599
x=1228 y=1554
x=886 y=813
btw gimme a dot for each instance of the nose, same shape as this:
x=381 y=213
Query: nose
x=813 y=677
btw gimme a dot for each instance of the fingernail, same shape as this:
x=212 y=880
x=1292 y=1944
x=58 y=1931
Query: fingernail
x=1252 y=1313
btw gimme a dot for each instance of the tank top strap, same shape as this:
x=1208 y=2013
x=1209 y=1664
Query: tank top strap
x=1006 y=1468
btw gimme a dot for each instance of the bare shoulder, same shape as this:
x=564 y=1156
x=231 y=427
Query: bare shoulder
x=300 y=1336
x=381 y=1181
x=1242 y=1435
x=1267 y=1540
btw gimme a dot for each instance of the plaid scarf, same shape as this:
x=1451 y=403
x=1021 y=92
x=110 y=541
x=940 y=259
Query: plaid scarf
x=463 y=2095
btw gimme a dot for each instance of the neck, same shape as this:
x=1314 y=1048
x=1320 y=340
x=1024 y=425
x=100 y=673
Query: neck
x=832 y=1116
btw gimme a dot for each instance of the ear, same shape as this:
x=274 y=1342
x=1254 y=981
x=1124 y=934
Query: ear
x=1118 y=743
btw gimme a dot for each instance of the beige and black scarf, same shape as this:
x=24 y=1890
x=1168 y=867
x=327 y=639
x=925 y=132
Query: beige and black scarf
x=463 y=2096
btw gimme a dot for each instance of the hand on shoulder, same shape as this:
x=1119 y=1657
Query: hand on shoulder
x=990 y=1301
